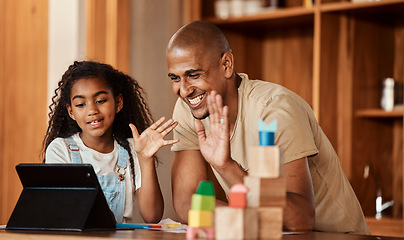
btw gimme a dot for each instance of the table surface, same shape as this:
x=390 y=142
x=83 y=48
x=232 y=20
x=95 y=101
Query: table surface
x=152 y=235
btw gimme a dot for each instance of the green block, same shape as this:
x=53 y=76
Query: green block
x=203 y=202
x=206 y=188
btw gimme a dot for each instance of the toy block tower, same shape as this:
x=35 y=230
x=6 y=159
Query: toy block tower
x=200 y=216
x=236 y=221
x=267 y=187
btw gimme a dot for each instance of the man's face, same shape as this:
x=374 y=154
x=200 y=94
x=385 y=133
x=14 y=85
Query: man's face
x=194 y=75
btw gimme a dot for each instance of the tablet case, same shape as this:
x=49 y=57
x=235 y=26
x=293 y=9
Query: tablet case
x=60 y=197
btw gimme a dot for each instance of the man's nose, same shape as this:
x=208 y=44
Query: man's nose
x=185 y=88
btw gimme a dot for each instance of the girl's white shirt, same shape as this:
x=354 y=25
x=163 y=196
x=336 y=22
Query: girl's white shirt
x=103 y=164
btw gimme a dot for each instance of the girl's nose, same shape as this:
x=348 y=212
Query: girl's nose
x=93 y=109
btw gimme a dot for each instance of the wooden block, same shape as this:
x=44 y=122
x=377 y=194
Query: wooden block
x=238 y=196
x=270 y=222
x=265 y=192
x=264 y=161
x=203 y=202
x=236 y=223
x=206 y=188
x=238 y=200
x=200 y=218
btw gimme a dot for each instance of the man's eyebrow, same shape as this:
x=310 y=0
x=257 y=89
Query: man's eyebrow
x=190 y=71
x=172 y=75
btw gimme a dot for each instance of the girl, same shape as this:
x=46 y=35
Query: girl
x=95 y=117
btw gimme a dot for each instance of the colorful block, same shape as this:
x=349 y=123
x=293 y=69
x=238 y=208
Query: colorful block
x=200 y=218
x=238 y=196
x=192 y=232
x=264 y=161
x=267 y=133
x=203 y=202
x=236 y=223
x=206 y=188
x=265 y=192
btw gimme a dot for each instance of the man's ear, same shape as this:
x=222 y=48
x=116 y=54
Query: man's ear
x=228 y=64
x=69 y=110
x=119 y=103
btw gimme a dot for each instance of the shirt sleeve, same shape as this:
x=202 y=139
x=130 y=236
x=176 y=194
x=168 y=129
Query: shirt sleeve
x=294 y=133
x=57 y=152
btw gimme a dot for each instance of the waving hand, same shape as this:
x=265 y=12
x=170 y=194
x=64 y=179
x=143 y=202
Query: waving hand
x=152 y=139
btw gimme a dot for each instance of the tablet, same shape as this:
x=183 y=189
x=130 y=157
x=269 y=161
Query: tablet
x=64 y=197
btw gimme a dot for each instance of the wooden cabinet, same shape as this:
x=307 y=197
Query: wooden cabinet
x=335 y=55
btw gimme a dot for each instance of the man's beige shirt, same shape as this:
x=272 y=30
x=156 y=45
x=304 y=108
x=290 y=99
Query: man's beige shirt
x=298 y=135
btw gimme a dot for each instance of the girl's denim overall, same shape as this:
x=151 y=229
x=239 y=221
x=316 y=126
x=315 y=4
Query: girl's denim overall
x=113 y=188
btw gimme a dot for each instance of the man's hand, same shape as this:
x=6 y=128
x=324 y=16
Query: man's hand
x=215 y=148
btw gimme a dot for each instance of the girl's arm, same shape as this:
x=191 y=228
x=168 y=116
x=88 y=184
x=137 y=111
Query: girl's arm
x=150 y=199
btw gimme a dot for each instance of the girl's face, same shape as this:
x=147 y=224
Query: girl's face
x=93 y=107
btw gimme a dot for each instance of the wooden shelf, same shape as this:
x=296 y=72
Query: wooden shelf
x=384 y=6
x=268 y=18
x=379 y=113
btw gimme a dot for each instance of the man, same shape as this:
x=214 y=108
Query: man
x=218 y=111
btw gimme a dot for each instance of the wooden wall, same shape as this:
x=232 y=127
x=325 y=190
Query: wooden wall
x=23 y=77
x=23 y=83
x=108 y=32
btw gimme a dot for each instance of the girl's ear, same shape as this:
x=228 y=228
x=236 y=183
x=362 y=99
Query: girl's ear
x=119 y=103
x=228 y=64
x=69 y=110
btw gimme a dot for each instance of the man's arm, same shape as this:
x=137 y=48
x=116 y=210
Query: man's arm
x=188 y=169
x=299 y=213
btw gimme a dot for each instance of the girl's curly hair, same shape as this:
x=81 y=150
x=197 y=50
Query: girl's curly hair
x=135 y=109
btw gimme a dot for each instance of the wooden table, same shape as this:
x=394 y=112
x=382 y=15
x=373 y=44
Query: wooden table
x=153 y=235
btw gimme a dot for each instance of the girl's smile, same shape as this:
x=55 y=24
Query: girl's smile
x=95 y=123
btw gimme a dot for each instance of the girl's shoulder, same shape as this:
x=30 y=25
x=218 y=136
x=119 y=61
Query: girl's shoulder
x=57 y=152
x=58 y=143
x=62 y=144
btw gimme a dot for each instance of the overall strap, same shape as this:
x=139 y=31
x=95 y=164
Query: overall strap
x=123 y=157
x=74 y=150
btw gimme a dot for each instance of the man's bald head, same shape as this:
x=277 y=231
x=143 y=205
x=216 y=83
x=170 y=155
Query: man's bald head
x=200 y=36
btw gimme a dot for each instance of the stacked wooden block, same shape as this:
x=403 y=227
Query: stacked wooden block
x=236 y=221
x=200 y=216
x=262 y=215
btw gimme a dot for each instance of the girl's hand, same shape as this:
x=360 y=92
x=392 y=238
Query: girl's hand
x=152 y=139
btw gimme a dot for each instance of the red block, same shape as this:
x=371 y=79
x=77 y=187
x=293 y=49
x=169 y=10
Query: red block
x=238 y=200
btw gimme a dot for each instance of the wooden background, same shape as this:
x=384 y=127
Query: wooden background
x=23 y=77
x=23 y=81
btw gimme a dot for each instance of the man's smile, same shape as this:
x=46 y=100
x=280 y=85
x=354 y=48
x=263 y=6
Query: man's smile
x=195 y=102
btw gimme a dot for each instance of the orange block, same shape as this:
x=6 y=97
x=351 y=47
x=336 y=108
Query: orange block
x=238 y=200
x=238 y=196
